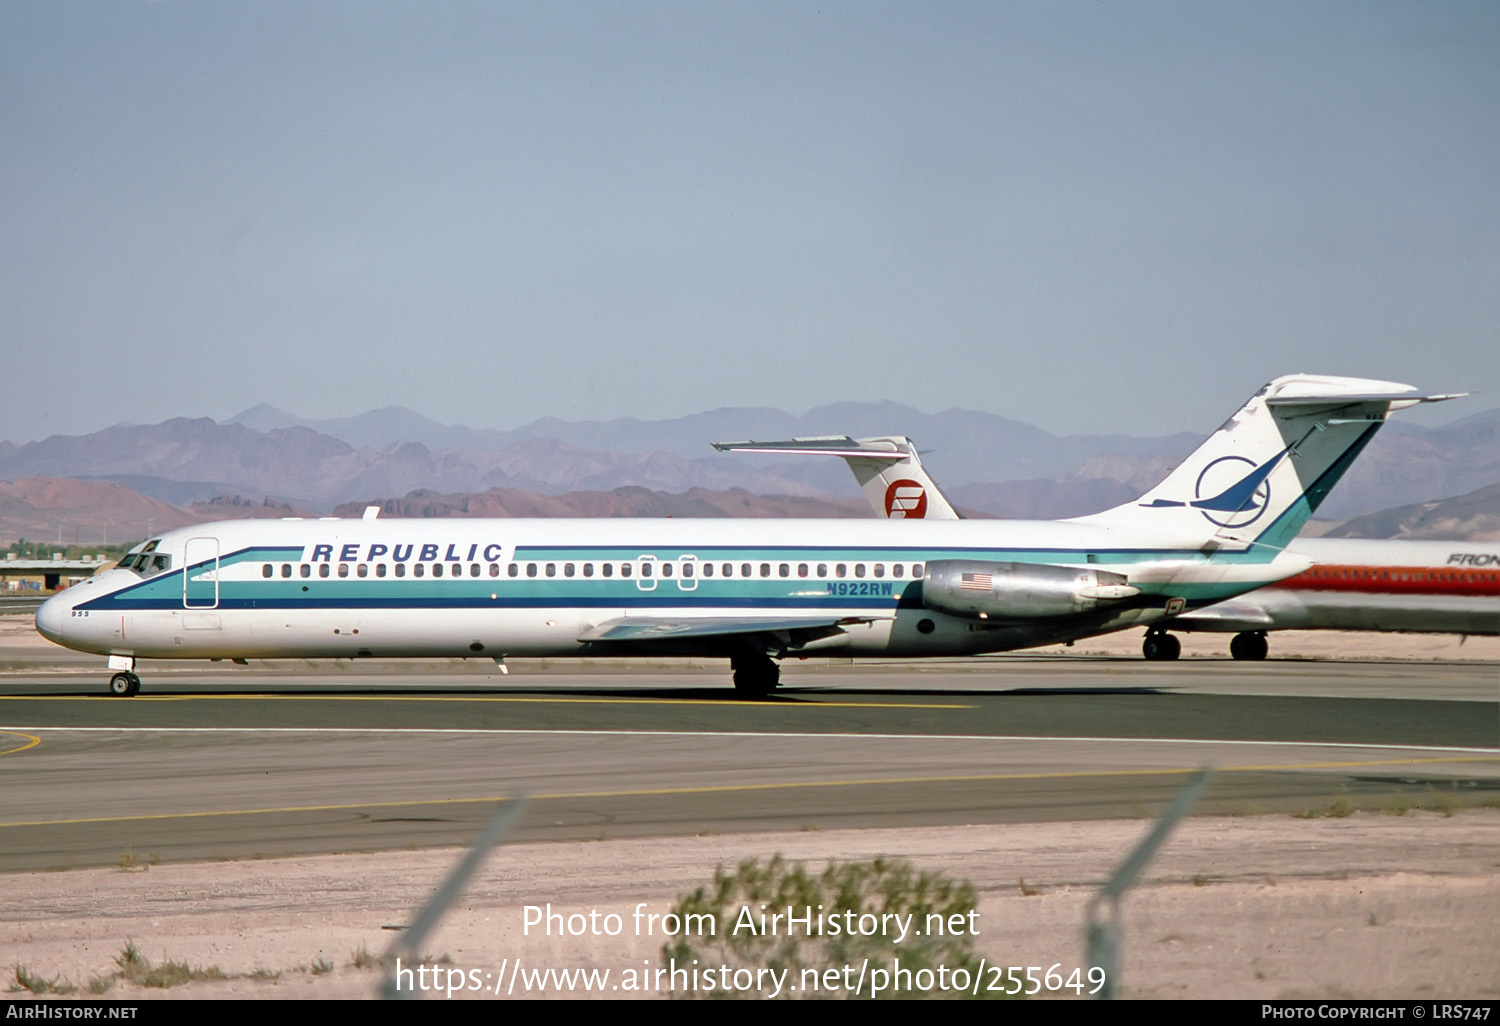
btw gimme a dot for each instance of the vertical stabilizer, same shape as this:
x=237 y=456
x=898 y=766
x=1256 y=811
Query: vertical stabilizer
x=1262 y=474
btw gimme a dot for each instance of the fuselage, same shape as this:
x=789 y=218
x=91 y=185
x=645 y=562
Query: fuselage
x=491 y=588
x=1356 y=584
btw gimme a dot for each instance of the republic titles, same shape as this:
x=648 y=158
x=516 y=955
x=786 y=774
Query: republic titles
x=420 y=552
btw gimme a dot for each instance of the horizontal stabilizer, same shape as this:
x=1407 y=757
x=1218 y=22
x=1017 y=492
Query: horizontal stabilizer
x=826 y=445
x=1398 y=400
x=887 y=467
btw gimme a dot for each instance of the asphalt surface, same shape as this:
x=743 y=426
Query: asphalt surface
x=206 y=765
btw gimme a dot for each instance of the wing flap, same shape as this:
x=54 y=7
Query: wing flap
x=1225 y=614
x=667 y=628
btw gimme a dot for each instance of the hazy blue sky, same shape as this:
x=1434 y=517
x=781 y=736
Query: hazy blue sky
x=1093 y=217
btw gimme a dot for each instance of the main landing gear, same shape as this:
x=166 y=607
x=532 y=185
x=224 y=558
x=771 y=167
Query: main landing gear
x=755 y=676
x=1249 y=645
x=1159 y=645
x=124 y=684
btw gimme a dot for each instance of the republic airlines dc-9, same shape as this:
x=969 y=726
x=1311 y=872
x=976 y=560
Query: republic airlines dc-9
x=751 y=591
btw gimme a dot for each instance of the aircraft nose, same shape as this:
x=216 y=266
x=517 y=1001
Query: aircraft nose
x=51 y=616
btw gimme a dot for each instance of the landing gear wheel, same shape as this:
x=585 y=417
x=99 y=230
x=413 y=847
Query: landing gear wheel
x=1249 y=645
x=124 y=684
x=755 y=676
x=1161 y=647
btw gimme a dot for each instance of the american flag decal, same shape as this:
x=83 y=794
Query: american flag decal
x=975 y=582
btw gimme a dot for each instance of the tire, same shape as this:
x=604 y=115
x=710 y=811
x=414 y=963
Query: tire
x=755 y=678
x=1161 y=647
x=124 y=685
x=1250 y=645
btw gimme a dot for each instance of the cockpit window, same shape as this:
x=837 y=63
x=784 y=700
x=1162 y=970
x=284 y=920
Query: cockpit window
x=143 y=562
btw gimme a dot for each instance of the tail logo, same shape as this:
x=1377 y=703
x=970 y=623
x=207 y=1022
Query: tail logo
x=1227 y=495
x=905 y=499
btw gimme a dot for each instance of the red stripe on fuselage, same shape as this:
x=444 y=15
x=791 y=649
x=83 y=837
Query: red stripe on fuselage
x=1396 y=580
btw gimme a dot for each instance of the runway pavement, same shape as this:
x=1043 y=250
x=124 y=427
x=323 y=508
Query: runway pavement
x=222 y=765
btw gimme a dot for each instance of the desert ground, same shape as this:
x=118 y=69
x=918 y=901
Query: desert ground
x=1400 y=903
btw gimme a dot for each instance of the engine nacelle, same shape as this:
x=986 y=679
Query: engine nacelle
x=1019 y=591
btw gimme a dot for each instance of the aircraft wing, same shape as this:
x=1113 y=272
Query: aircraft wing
x=1228 y=615
x=672 y=628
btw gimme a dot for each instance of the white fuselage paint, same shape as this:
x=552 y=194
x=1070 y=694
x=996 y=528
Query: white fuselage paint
x=226 y=606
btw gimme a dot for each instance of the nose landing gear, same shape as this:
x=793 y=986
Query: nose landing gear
x=124 y=684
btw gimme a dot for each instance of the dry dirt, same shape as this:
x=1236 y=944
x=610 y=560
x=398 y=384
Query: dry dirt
x=1372 y=905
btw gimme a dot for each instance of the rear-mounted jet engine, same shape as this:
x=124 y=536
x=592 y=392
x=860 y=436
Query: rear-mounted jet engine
x=1019 y=591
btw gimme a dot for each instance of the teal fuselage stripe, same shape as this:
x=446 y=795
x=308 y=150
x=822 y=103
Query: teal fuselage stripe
x=165 y=591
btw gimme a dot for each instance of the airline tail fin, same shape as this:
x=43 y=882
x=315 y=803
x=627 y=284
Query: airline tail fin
x=887 y=467
x=1262 y=474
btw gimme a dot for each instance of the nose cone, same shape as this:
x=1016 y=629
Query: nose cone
x=51 y=616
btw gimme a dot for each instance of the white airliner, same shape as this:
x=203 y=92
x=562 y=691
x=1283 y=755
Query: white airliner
x=1430 y=587
x=752 y=591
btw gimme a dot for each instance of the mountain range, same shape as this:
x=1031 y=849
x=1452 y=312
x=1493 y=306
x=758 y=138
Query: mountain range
x=986 y=463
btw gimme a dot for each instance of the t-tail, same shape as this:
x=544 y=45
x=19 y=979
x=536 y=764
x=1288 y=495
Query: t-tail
x=1260 y=476
x=887 y=467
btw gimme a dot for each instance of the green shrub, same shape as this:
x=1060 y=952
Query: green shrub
x=856 y=929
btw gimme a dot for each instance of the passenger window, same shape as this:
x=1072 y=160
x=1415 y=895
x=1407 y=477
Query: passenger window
x=567 y=569
x=437 y=569
x=785 y=570
x=744 y=569
x=305 y=570
x=379 y=569
x=473 y=569
x=607 y=569
x=879 y=569
x=801 y=569
x=530 y=569
x=416 y=570
x=624 y=569
x=666 y=569
x=265 y=571
x=840 y=570
x=916 y=571
x=896 y=570
x=708 y=570
x=588 y=569
x=494 y=569
x=513 y=570
x=765 y=569
x=343 y=569
x=323 y=570
x=362 y=570
x=822 y=569
x=551 y=569
x=859 y=569
x=727 y=569
x=286 y=569
x=646 y=568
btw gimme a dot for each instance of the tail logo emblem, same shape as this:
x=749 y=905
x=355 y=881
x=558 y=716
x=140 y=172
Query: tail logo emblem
x=905 y=499
x=1227 y=495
